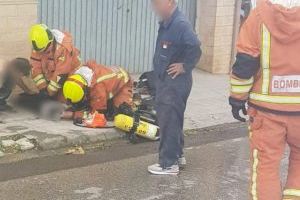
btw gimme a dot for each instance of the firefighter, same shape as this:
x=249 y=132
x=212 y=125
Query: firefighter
x=93 y=87
x=14 y=73
x=53 y=58
x=266 y=74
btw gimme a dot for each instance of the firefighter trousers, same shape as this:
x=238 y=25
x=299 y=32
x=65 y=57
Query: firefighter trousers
x=269 y=135
x=171 y=99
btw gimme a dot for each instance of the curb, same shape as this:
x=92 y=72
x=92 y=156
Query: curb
x=44 y=142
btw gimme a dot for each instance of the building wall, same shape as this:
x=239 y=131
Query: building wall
x=216 y=27
x=16 y=16
x=113 y=32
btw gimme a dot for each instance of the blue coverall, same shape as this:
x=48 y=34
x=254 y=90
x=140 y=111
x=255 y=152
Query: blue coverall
x=176 y=43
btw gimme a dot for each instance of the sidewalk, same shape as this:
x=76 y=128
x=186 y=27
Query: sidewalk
x=208 y=106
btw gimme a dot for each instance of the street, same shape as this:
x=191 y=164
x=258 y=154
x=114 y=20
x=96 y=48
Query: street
x=217 y=169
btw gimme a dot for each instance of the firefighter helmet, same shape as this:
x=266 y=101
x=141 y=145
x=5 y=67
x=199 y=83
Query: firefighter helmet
x=74 y=89
x=40 y=37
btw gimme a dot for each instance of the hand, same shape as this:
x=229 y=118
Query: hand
x=237 y=106
x=67 y=115
x=175 y=70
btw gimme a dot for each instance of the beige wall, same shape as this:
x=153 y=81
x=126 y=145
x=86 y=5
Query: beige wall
x=16 y=17
x=215 y=26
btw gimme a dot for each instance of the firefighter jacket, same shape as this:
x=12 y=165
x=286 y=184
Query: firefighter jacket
x=267 y=67
x=51 y=67
x=104 y=83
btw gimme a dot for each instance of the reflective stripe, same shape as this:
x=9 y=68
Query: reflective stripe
x=253 y=4
x=106 y=77
x=254 y=175
x=40 y=82
x=241 y=89
x=250 y=134
x=120 y=74
x=38 y=77
x=85 y=115
x=291 y=192
x=265 y=59
x=234 y=81
x=125 y=75
x=54 y=84
x=275 y=99
x=54 y=89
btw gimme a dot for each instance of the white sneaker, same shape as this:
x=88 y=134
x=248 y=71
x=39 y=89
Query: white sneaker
x=182 y=162
x=156 y=169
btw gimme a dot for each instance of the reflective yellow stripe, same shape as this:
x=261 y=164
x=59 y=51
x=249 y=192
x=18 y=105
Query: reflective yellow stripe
x=234 y=81
x=40 y=82
x=54 y=84
x=54 y=89
x=265 y=59
x=254 y=175
x=106 y=77
x=250 y=134
x=121 y=74
x=125 y=75
x=85 y=115
x=241 y=89
x=275 y=99
x=291 y=192
x=38 y=77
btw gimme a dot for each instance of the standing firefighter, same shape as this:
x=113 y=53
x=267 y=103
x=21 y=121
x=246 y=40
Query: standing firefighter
x=176 y=55
x=53 y=58
x=93 y=87
x=267 y=76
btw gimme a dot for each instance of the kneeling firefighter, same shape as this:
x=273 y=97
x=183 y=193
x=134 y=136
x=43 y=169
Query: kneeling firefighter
x=96 y=92
x=54 y=57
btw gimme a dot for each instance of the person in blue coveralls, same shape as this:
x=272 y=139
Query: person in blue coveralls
x=176 y=55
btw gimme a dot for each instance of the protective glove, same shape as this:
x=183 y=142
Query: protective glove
x=237 y=106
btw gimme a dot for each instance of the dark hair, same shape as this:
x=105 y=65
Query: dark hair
x=21 y=65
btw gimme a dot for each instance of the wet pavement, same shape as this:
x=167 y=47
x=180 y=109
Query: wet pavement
x=217 y=170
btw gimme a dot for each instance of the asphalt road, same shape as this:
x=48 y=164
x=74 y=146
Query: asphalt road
x=217 y=170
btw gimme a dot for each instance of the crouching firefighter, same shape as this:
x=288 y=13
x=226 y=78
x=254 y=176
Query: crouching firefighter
x=267 y=76
x=53 y=58
x=96 y=92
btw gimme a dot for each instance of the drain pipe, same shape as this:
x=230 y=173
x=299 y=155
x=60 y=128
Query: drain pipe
x=236 y=28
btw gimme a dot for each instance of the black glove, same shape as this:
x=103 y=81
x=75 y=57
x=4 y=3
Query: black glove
x=237 y=106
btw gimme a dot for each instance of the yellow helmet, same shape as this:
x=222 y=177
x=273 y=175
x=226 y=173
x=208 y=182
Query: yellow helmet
x=40 y=37
x=74 y=88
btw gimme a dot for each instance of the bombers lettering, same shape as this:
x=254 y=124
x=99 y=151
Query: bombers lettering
x=286 y=84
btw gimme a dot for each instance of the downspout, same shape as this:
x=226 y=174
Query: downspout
x=236 y=28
